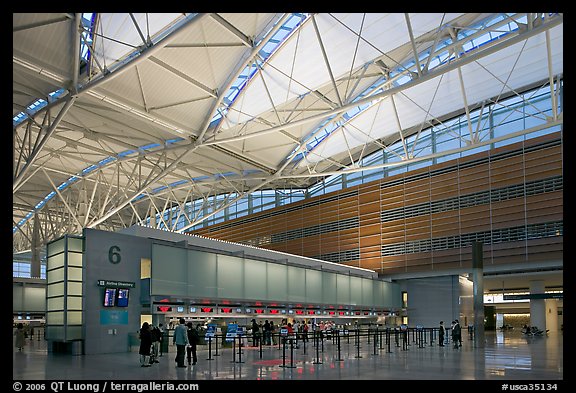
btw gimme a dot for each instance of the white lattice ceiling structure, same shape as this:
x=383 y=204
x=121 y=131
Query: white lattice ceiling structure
x=170 y=108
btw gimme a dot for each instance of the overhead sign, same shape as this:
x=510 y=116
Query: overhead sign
x=534 y=296
x=117 y=284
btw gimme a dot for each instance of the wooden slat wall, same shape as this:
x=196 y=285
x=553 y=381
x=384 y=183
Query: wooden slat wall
x=448 y=181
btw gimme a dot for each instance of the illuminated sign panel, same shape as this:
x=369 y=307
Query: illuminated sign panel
x=206 y=309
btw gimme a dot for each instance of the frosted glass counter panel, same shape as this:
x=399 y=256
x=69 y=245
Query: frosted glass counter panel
x=202 y=274
x=255 y=280
x=230 y=277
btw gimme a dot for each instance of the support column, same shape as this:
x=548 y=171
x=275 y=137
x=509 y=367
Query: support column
x=537 y=306
x=35 y=249
x=478 y=293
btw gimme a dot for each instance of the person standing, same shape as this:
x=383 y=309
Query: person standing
x=145 y=345
x=457 y=334
x=20 y=336
x=192 y=343
x=181 y=340
x=155 y=334
x=255 y=333
x=441 y=332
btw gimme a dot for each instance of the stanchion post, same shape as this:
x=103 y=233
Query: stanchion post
x=209 y=348
x=316 y=338
x=233 y=351
x=239 y=348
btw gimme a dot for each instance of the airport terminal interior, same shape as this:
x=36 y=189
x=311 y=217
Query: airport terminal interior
x=299 y=196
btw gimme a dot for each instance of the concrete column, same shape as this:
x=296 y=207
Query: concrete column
x=537 y=306
x=478 y=293
x=551 y=314
x=35 y=248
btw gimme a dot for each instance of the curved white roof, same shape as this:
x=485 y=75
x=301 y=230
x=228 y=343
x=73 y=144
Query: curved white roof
x=174 y=107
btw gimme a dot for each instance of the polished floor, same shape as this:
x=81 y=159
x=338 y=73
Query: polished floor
x=506 y=356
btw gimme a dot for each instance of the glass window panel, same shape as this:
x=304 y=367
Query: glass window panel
x=74 y=303
x=356 y=291
x=367 y=292
x=56 y=247
x=54 y=332
x=313 y=286
x=74 y=288
x=55 y=261
x=74 y=332
x=55 y=303
x=55 y=289
x=329 y=287
x=255 y=279
x=342 y=289
x=74 y=318
x=169 y=270
x=297 y=284
x=75 y=273
x=74 y=259
x=230 y=276
x=202 y=274
x=75 y=244
x=277 y=281
x=55 y=318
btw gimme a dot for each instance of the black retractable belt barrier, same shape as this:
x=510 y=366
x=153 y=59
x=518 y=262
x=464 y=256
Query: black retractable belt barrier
x=431 y=337
x=405 y=340
x=388 y=339
x=210 y=348
x=421 y=341
x=283 y=338
x=396 y=337
x=292 y=353
x=216 y=348
x=261 y=348
x=338 y=342
x=279 y=341
x=316 y=344
x=358 y=346
x=233 y=351
x=239 y=348
x=375 y=340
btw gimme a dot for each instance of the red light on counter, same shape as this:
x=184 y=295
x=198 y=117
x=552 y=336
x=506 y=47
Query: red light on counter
x=259 y=311
x=206 y=309
x=341 y=312
x=299 y=312
x=226 y=310
x=331 y=313
x=274 y=311
x=164 y=308
x=310 y=312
